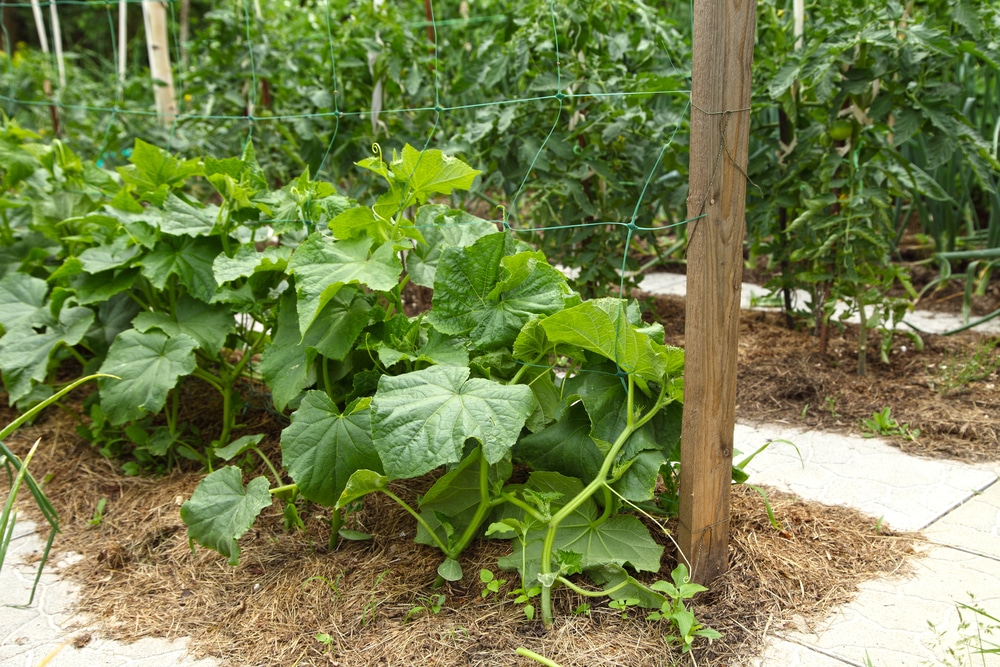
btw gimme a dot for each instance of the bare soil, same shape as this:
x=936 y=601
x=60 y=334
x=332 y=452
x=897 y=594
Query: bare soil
x=140 y=578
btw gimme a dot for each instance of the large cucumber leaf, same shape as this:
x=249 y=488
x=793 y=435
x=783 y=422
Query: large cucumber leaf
x=209 y=325
x=190 y=259
x=422 y=419
x=247 y=261
x=323 y=447
x=322 y=267
x=442 y=227
x=149 y=365
x=489 y=292
x=25 y=352
x=22 y=300
x=602 y=326
x=565 y=446
x=221 y=510
x=432 y=172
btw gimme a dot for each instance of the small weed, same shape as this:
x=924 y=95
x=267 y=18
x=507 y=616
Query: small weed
x=524 y=596
x=974 y=644
x=98 y=513
x=883 y=423
x=491 y=585
x=368 y=614
x=432 y=604
x=804 y=412
x=831 y=405
x=324 y=639
x=958 y=372
x=676 y=612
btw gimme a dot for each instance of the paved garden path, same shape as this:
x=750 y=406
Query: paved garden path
x=957 y=506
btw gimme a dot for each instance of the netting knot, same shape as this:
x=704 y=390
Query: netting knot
x=561 y=96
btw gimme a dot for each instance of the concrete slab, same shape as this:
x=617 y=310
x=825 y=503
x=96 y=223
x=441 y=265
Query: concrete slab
x=975 y=526
x=51 y=627
x=753 y=297
x=897 y=622
x=789 y=654
x=867 y=474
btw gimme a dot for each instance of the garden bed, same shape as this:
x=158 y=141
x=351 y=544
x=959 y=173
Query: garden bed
x=292 y=601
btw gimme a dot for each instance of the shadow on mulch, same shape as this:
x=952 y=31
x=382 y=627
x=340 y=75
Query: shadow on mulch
x=140 y=578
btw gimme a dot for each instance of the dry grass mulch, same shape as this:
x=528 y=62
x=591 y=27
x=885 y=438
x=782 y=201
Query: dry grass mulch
x=140 y=578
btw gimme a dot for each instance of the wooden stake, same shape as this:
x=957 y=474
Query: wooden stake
x=43 y=41
x=57 y=42
x=122 y=46
x=720 y=122
x=154 y=16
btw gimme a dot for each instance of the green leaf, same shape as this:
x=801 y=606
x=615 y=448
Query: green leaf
x=612 y=575
x=179 y=218
x=423 y=344
x=450 y=570
x=207 y=324
x=189 y=259
x=490 y=293
x=247 y=261
x=601 y=326
x=22 y=300
x=221 y=510
x=565 y=446
x=432 y=172
x=322 y=267
x=152 y=167
x=620 y=540
x=287 y=362
x=360 y=221
x=238 y=446
x=339 y=323
x=25 y=353
x=442 y=227
x=456 y=495
x=423 y=419
x=120 y=252
x=149 y=365
x=360 y=484
x=322 y=448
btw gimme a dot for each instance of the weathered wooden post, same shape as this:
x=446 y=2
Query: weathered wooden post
x=720 y=122
x=154 y=15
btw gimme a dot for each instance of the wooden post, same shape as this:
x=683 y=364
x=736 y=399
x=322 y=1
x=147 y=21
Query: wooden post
x=720 y=122
x=154 y=16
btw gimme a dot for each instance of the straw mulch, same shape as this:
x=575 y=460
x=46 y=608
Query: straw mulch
x=140 y=578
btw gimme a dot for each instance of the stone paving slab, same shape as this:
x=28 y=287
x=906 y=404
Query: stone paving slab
x=30 y=634
x=975 y=526
x=752 y=296
x=901 y=622
x=906 y=492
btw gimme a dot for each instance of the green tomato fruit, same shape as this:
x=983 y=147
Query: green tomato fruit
x=841 y=130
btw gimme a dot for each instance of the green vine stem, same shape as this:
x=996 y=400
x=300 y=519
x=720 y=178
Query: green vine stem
x=599 y=482
x=336 y=521
x=541 y=659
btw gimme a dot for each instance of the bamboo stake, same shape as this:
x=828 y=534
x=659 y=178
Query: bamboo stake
x=57 y=42
x=43 y=41
x=122 y=46
x=720 y=124
x=154 y=16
